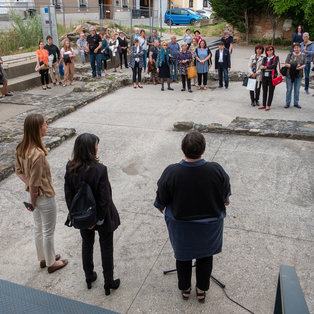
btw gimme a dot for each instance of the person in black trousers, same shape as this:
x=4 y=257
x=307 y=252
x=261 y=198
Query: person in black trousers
x=194 y=212
x=269 y=69
x=222 y=64
x=84 y=165
x=136 y=62
x=123 y=49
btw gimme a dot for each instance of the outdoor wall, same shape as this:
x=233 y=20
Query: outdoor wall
x=197 y=4
x=262 y=28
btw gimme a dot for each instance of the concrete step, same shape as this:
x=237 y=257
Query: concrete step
x=24 y=82
x=17 y=69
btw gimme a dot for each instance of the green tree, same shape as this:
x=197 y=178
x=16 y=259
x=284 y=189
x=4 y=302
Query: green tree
x=238 y=12
x=300 y=11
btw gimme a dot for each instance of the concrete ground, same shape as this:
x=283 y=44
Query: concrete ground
x=269 y=221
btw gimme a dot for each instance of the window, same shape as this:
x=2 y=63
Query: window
x=205 y=3
x=190 y=3
x=83 y=3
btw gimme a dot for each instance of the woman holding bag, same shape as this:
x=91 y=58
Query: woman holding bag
x=184 y=60
x=295 y=63
x=42 y=64
x=269 y=70
x=256 y=73
x=84 y=165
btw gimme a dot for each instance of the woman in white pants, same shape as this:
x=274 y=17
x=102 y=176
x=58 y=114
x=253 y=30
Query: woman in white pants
x=33 y=169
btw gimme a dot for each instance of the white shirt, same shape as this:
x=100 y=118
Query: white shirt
x=221 y=58
x=143 y=43
x=68 y=52
x=137 y=51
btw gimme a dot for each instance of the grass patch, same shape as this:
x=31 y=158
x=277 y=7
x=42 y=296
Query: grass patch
x=206 y=31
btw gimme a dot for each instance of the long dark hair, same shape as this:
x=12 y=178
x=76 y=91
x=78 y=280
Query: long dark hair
x=32 y=134
x=84 y=152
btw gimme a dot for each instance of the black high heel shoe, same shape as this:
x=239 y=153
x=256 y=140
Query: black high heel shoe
x=111 y=285
x=90 y=280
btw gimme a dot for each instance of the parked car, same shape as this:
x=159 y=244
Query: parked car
x=205 y=12
x=182 y=16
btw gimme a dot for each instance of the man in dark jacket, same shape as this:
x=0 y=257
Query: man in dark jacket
x=93 y=44
x=222 y=64
x=54 y=68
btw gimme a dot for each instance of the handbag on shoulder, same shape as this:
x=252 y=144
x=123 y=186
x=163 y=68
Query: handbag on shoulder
x=276 y=80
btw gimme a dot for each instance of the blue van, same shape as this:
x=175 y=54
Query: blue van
x=182 y=16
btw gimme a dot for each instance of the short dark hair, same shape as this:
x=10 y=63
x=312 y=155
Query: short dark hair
x=193 y=145
x=48 y=37
x=259 y=46
x=221 y=43
x=296 y=44
x=197 y=31
x=187 y=29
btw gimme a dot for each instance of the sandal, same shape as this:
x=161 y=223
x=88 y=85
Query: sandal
x=9 y=94
x=52 y=269
x=200 y=296
x=186 y=294
x=43 y=262
x=198 y=87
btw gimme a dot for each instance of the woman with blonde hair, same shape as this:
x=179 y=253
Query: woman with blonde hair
x=163 y=65
x=33 y=169
x=67 y=55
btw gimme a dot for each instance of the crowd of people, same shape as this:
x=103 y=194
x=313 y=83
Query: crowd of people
x=165 y=61
x=264 y=69
x=209 y=191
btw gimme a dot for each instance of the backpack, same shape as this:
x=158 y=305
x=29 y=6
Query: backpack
x=82 y=213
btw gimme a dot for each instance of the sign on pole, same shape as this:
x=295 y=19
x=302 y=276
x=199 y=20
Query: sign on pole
x=49 y=23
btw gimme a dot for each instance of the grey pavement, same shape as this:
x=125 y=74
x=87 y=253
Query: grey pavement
x=269 y=221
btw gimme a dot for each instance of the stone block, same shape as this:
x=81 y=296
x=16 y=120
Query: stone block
x=183 y=126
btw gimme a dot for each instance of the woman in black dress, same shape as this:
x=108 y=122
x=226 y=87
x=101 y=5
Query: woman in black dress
x=123 y=49
x=84 y=165
x=163 y=65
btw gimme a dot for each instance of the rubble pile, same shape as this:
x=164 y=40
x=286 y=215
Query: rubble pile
x=84 y=28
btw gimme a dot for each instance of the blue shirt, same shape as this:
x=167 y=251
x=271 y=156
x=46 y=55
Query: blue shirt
x=174 y=49
x=310 y=51
x=81 y=42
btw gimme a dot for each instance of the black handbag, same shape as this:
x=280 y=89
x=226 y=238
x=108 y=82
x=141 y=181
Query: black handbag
x=284 y=71
x=245 y=80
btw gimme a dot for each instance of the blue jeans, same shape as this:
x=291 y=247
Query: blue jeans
x=82 y=54
x=95 y=58
x=222 y=71
x=174 y=70
x=307 y=70
x=296 y=85
x=144 y=58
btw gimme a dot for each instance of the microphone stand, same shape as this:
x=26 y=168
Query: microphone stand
x=216 y=281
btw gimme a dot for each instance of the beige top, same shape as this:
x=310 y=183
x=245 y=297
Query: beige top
x=36 y=169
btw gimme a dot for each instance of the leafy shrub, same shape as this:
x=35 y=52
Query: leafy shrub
x=29 y=31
